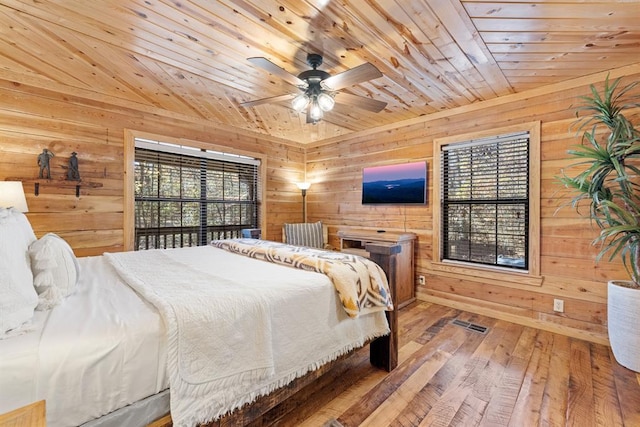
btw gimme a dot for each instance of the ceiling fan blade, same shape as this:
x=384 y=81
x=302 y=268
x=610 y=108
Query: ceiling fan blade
x=360 y=102
x=267 y=100
x=359 y=74
x=277 y=71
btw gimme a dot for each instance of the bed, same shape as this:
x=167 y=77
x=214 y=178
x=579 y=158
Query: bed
x=110 y=347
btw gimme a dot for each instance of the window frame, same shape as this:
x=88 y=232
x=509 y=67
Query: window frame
x=478 y=272
x=129 y=181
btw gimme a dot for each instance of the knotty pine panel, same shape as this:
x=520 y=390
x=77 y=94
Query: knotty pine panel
x=33 y=118
x=567 y=257
x=558 y=246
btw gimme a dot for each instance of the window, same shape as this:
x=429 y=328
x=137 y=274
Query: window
x=488 y=201
x=485 y=201
x=188 y=196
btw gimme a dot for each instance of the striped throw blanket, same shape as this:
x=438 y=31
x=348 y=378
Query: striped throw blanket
x=361 y=284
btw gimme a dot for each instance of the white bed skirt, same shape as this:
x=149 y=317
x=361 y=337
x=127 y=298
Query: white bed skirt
x=139 y=414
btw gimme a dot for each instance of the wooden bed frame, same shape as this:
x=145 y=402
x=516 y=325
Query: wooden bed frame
x=383 y=353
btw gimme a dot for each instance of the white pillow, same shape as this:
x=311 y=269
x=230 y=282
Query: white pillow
x=18 y=298
x=55 y=270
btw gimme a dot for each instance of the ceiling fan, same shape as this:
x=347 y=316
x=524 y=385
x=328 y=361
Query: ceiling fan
x=319 y=89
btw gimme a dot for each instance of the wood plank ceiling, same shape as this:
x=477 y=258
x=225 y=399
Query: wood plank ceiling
x=190 y=56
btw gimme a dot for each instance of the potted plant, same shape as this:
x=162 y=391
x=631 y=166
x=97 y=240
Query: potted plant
x=609 y=182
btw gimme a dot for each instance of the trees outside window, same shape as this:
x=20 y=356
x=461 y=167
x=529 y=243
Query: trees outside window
x=188 y=197
x=486 y=204
x=485 y=201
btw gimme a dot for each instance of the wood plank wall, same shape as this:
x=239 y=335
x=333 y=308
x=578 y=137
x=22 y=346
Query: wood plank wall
x=567 y=258
x=33 y=118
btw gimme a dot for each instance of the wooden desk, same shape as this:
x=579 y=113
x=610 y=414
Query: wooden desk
x=355 y=240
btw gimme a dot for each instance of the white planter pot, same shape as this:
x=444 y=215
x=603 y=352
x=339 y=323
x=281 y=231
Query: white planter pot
x=623 y=312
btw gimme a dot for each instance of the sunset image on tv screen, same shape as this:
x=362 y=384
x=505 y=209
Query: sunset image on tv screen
x=400 y=183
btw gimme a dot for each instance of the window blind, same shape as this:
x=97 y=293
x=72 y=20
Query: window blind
x=193 y=198
x=485 y=201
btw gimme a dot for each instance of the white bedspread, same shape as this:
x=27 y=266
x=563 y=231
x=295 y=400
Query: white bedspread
x=101 y=349
x=238 y=327
x=106 y=347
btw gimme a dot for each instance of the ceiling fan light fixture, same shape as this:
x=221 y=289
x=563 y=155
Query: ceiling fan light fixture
x=300 y=102
x=326 y=101
x=318 y=88
x=315 y=112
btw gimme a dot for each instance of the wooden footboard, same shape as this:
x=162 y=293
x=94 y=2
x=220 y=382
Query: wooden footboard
x=250 y=413
x=384 y=350
x=383 y=353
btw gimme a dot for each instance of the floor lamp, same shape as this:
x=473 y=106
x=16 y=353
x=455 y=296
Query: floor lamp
x=304 y=186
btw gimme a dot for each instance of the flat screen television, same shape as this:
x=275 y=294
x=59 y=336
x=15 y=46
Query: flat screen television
x=404 y=183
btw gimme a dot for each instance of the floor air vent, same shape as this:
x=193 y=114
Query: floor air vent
x=471 y=326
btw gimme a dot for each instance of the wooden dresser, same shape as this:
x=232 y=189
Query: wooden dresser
x=354 y=240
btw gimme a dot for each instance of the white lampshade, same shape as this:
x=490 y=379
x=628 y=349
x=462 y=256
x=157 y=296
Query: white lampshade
x=315 y=111
x=12 y=195
x=300 y=102
x=326 y=101
x=303 y=185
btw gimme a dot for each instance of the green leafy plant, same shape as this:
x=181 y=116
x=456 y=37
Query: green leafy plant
x=609 y=182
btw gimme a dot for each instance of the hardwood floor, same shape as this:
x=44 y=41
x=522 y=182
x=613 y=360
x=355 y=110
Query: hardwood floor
x=451 y=376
